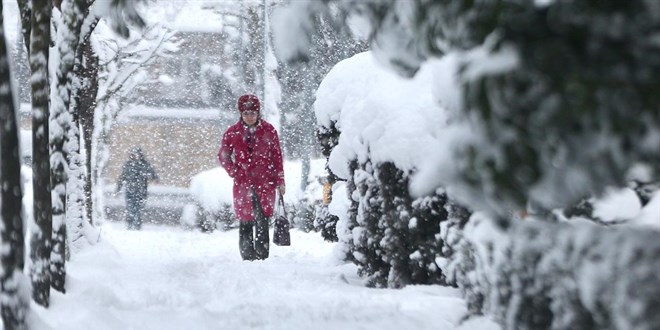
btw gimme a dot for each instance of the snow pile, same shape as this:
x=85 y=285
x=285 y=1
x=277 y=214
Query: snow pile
x=212 y=189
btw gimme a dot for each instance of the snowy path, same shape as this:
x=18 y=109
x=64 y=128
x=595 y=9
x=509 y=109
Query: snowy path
x=168 y=278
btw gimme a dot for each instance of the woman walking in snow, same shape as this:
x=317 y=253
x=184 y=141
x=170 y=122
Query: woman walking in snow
x=250 y=153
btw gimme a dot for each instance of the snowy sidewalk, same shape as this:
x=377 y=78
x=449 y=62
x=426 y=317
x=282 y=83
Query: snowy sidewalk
x=168 y=278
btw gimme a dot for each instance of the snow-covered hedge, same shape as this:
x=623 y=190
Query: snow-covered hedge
x=563 y=275
x=531 y=275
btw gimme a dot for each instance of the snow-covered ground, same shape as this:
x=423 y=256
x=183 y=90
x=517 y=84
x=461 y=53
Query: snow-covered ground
x=169 y=278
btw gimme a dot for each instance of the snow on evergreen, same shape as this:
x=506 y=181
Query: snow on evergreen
x=488 y=171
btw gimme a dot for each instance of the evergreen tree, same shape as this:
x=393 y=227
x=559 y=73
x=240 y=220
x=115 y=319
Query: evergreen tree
x=573 y=79
x=425 y=247
x=14 y=304
x=345 y=233
x=367 y=235
x=396 y=220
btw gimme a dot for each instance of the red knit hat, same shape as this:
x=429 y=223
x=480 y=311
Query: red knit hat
x=248 y=102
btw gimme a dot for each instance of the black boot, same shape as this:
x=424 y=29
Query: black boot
x=261 y=245
x=246 y=240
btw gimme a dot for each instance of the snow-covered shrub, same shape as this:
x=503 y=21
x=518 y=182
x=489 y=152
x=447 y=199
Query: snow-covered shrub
x=326 y=223
x=559 y=100
x=302 y=214
x=367 y=235
x=428 y=213
x=190 y=216
x=376 y=128
x=211 y=192
x=561 y=275
x=394 y=240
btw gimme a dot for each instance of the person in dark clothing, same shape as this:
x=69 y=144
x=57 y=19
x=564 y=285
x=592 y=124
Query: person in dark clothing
x=250 y=153
x=135 y=175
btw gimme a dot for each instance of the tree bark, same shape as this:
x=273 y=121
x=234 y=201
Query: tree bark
x=42 y=233
x=14 y=305
x=75 y=190
x=67 y=39
x=26 y=21
x=87 y=71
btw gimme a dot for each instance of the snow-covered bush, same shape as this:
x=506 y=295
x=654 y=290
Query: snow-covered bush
x=326 y=223
x=376 y=128
x=302 y=200
x=554 y=102
x=212 y=205
x=302 y=214
x=393 y=237
x=561 y=275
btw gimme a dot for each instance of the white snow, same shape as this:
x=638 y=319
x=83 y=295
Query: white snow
x=650 y=214
x=620 y=204
x=213 y=188
x=380 y=114
x=169 y=278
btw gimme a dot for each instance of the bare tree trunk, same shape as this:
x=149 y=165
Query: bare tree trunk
x=14 y=305
x=40 y=246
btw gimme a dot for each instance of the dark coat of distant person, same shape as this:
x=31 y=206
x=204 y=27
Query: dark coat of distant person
x=135 y=175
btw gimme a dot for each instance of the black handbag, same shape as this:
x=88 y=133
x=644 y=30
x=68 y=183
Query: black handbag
x=281 y=234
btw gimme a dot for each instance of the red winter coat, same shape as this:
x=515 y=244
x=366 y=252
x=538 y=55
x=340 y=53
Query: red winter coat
x=261 y=168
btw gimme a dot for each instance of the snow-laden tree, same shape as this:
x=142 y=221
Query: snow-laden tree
x=68 y=24
x=83 y=104
x=78 y=227
x=244 y=47
x=330 y=44
x=556 y=101
x=122 y=67
x=74 y=27
x=14 y=299
x=541 y=80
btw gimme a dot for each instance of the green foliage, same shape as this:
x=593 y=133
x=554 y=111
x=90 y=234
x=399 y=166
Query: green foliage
x=576 y=112
x=326 y=223
x=394 y=240
x=582 y=102
x=542 y=275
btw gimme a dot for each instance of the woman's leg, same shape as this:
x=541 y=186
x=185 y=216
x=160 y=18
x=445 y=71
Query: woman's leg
x=261 y=245
x=245 y=240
